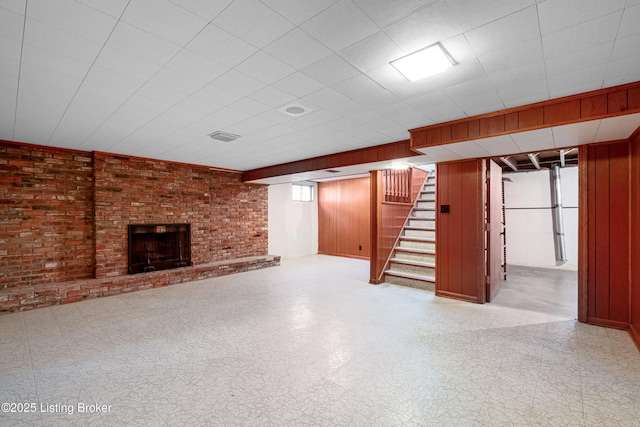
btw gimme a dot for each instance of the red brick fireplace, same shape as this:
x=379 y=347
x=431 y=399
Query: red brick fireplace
x=65 y=216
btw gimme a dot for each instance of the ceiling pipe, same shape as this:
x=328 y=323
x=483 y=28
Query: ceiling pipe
x=562 y=158
x=509 y=163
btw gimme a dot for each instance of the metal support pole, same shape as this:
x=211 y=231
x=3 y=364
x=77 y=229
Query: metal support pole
x=558 y=222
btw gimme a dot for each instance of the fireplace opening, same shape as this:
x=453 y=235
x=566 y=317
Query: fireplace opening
x=154 y=247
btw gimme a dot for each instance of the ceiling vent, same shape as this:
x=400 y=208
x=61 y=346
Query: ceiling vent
x=332 y=171
x=223 y=136
x=295 y=110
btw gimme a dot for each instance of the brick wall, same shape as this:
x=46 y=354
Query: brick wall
x=51 y=200
x=46 y=215
x=228 y=219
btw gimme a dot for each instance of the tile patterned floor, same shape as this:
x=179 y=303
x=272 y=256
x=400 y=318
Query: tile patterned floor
x=311 y=343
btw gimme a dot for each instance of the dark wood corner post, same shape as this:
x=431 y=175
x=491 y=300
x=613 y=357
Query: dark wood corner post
x=376 y=207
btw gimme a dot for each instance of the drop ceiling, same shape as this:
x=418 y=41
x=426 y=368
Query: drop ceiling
x=155 y=78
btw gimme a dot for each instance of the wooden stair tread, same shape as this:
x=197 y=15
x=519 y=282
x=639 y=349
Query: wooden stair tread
x=412 y=262
x=418 y=228
x=415 y=250
x=410 y=276
x=418 y=239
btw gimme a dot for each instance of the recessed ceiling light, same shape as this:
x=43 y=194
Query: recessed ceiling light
x=295 y=110
x=223 y=136
x=426 y=62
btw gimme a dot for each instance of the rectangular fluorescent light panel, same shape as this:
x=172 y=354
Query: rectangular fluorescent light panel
x=426 y=62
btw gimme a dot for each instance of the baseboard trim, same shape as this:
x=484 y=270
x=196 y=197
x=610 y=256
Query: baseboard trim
x=635 y=335
x=454 y=295
x=615 y=324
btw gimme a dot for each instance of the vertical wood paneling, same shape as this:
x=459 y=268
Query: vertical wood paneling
x=344 y=218
x=607 y=208
x=635 y=241
x=459 y=233
x=619 y=232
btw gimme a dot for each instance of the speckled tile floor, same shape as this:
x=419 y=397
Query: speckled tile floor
x=311 y=343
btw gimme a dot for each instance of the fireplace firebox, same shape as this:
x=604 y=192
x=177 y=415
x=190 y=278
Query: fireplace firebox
x=154 y=247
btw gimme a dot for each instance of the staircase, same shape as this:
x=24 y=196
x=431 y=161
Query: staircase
x=413 y=260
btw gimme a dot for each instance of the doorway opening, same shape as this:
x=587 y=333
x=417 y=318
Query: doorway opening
x=540 y=232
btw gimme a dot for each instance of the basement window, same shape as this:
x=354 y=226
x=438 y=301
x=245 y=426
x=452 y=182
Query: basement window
x=302 y=192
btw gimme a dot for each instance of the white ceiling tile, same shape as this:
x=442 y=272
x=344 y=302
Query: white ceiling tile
x=516 y=56
x=440 y=154
x=41 y=81
x=72 y=17
x=372 y=52
x=220 y=46
x=10 y=49
x=299 y=84
x=480 y=104
x=557 y=15
x=625 y=70
x=297 y=49
x=572 y=61
x=473 y=14
x=264 y=67
x=142 y=44
x=298 y=11
x=16 y=6
x=577 y=81
x=524 y=93
x=575 y=134
x=124 y=63
x=139 y=108
x=467 y=150
x=616 y=128
x=376 y=98
x=498 y=145
x=272 y=96
x=11 y=25
x=516 y=77
x=238 y=83
x=199 y=105
x=214 y=97
x=9 y=68
x=503 y=33
x=629 y=25
x=387 y=12
x=42 y=58
x=535 y=140
x=470 y=89
x=253 y=22
x=113 y=79
x=625 y=47
x=205 y=9
x=331 y=70
x=248 y=126
x=196 y=66
x=161 y=93
x=348 y=108
x=174 y=80
x=324 y=98
x=435 y=23
x=442 y=113
x=112 y=8
x=356 y=86
x=163 y=19
x=250 y=107
x=582 y=36
x=340 y=25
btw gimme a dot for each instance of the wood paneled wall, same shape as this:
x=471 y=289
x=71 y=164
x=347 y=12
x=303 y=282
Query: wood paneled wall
x=604 y=249
x=635 y=240
x=460 y=232
x=387 y=220
x=344 y=218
